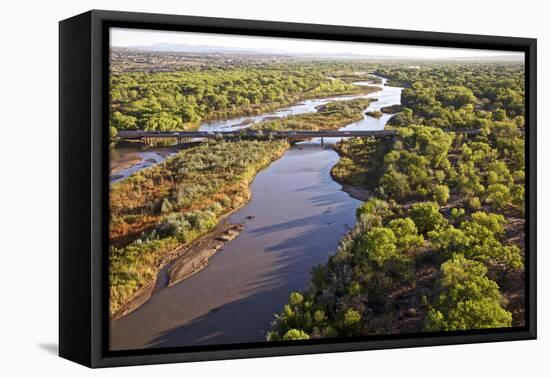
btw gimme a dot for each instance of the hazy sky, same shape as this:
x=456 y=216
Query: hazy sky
x=137 y=37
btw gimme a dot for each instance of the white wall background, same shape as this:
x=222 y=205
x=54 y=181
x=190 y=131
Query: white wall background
x=29 y=186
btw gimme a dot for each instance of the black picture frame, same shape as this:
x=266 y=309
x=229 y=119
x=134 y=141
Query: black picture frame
x=83 y=180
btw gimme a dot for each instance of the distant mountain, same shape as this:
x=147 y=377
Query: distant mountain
x=172 y=47
x=208 y=49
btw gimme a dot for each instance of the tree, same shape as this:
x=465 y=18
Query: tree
x=494 y=222
x=509 y=258
x=406 y=234
x=123 y=122
x=426 y=216
x=296 y=299
x=295 y=334
x=374 y=207
x=518 y=196
x=394 y=183
x=378 y=245
x=457 y=96
x=467 y=299
x=112 y=133
x=441 y=194
x=499 y=115
x=498 y=195
x=457 y=214
x=351 y=321
x=498 y=172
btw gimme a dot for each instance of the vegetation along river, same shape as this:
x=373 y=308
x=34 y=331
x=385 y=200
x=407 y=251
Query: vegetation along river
x=294 y=220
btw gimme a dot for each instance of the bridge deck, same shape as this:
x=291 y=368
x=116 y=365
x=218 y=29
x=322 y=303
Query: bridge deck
x=299 y=134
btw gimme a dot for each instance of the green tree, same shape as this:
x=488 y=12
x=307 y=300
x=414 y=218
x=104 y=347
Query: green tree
x=467 y=299
x=518 y=196
x=123 y=122
x=373 y=206
x=426 y=216
x=498 y=195
x=394 y=183
x=296 y=299
x=441 y=194
x=494 y=222
x=378 y=245
x=406 y=234
x=112 y=133
x=295 y=334
x=351 y=321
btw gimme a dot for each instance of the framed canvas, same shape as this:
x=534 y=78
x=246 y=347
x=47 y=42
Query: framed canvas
x=235 y=188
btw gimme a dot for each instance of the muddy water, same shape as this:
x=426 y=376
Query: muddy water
x=299 y=214
x=296 y=216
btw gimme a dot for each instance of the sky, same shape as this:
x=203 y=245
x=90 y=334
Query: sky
x=138 y=37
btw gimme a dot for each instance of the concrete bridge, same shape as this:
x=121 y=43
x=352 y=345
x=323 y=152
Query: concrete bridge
x=184 y=136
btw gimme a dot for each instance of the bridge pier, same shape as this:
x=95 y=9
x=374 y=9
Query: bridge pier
x=322 y=142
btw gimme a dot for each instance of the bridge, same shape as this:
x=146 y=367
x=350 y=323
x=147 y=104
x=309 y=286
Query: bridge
x=184 y=136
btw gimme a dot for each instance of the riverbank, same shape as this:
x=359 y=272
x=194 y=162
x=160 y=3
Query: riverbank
x=186 y=260
x=177 y=202
x=330 y=116
x=294 y=219
x=266 y=108
x=123 y=163
x=415 y=244
x=129 y=159
x=182 y=262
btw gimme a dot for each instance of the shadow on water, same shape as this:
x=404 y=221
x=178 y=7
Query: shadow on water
x=246 y=283
x=240 y=321
x=310 y=221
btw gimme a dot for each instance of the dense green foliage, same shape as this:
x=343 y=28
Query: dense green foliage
x=467 y=299
x=173 y=203
x=377 y=267
x=179 y=100
x=459 y=95
x=439 y=247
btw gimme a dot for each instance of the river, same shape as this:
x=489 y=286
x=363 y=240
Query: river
x=294 y=221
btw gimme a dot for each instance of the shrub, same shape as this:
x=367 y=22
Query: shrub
x=498 y=195
x=426 y=216
x=351 y=320
x=494 y=222
x=295 y=334
x=441 y=194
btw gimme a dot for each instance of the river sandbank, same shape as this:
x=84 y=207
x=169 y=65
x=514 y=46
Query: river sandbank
x=184 y=261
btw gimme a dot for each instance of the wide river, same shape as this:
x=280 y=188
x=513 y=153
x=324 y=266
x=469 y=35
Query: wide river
x=294 y=220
